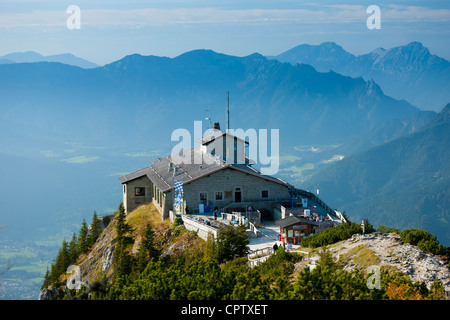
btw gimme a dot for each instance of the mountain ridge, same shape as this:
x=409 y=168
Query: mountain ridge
x=407 y=72
x=415 y=179
x=133 y=105
x=255 y=83
x=87 y=125
x=32 y=56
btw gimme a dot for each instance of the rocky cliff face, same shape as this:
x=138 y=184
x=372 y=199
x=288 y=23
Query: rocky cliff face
x=95 y=265
x=99 y=261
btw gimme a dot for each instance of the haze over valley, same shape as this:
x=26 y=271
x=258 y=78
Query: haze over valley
x=68 y=133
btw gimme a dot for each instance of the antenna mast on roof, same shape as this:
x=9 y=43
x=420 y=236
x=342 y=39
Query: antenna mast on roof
x=228 y=111
x=209 y=118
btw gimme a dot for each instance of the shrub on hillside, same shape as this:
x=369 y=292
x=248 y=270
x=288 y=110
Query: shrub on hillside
x=385 y=229
x=335 y=234
x=424 y=240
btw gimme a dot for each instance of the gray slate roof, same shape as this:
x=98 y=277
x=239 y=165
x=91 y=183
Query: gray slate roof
x=134 y=175
x=160 y=174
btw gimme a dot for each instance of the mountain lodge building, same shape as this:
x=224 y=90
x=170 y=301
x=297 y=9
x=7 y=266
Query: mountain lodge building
x=224 y=181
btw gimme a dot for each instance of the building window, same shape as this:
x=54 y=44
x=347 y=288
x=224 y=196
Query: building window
x=203 y=196
x=139 y=191
x=264 y=194
x=219 y=195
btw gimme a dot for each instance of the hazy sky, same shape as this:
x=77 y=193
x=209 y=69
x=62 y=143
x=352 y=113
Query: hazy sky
x=111 y=29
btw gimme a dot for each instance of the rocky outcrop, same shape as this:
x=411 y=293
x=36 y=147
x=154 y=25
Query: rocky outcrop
x=99 y=261
x=94 y=266
x=392 y=252
x=49 y=294
x=420 y=266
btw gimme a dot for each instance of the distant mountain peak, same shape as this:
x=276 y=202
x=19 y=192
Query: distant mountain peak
x=324 y=57
x=26 y=56
x=407 y=72
x=200 y=53
x=415 y=44
x=32 y=56
x=256 y=55
x=329 y=44
x=323 y=48
x=379 y=51
x=132 y=56
x=202 y=56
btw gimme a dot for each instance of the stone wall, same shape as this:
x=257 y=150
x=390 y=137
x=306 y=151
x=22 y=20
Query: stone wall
x=201 y=229
x=226 y=181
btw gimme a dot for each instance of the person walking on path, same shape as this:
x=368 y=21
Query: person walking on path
x=275 y=247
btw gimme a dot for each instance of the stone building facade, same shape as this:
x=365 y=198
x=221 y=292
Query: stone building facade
x=225 y=177
x=136 y=192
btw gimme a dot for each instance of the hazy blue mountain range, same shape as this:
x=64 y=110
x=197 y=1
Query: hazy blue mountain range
x=155 y=95
x=407 y=72
x=67 y=133
x=100 y=123
x=315 y=158
x=31 y=56
x=404 y=182
x=6 y=61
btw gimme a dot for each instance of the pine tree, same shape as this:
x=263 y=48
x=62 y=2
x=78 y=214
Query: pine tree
x=122 y=257
x=73 y=252
x=211 y=247
x=147 y=250
x=65 y=257
x=46 y=282
x=232 y=243
x=94 y=230
x=62 y=262
x=83 y=238
x=122 y=227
